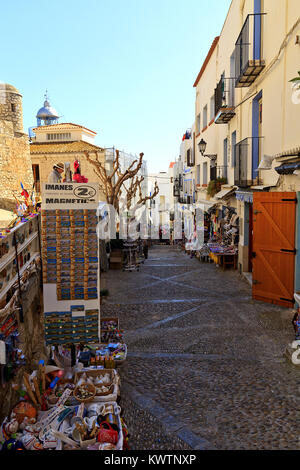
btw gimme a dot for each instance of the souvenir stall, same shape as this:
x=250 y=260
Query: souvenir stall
x=68 y=408
x=222 y=246
x=19 y=260
x=73 y=402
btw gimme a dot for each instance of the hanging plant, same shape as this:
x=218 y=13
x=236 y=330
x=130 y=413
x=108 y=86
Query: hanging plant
x=214 y=186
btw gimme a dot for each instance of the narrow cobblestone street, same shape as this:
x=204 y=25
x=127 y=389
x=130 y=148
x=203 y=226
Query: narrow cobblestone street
x=203 y=357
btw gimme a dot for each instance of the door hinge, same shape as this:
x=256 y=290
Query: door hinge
x=257 y=212
x=253 y=254
x=255 y=281
x=288 y=251
x=295 y=200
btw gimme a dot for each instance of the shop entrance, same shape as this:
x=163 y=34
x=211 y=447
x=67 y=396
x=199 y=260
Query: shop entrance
x=273 y=256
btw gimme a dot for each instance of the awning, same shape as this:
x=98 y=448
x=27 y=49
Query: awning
x=262 y=188
x=244 y=196
x=6 y=217
x=292 y=153
x=287 y=168
x=224 y=192
x=207 y=204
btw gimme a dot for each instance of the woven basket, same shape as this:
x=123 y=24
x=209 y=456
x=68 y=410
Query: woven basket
x=90 y=387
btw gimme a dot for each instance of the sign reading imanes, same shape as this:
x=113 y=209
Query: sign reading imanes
x=58 y=196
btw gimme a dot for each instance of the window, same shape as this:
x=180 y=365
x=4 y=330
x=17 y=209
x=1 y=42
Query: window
x=212 y=107
x=198 y=123
x=13 y=107
x=62 y=136
x=205 y=173
x=198 y=174
x=231 y=99
x=225 y=158
x=233 y=154
x=188 y=157
x=204 y=116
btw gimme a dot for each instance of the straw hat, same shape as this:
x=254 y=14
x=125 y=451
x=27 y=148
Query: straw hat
x=59 y=166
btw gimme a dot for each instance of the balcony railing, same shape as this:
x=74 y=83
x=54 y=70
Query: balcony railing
x=244 y=156
x=224 y=101
x=248 y=61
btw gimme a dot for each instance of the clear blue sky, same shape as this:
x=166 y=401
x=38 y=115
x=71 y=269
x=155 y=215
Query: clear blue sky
x=124 y=69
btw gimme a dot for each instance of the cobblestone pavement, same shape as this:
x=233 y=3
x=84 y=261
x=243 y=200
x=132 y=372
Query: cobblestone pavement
x=208 y=356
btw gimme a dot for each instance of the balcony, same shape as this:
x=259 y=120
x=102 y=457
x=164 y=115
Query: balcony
x=224 y=101
x=248 y=61
x=247 y=151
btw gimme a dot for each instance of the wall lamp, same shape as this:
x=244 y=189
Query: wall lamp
x=202 y=147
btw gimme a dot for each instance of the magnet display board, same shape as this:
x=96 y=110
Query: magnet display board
x=70 y=252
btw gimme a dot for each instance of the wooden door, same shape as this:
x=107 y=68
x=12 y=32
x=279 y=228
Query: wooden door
x=273 y=258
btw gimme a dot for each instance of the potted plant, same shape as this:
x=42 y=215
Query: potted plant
x=214 y=186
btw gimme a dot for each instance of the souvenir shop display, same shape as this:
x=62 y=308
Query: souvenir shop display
x=19 y=259
x=221 y=237
x=68 y=409
x=21 y=242
x=70 y=263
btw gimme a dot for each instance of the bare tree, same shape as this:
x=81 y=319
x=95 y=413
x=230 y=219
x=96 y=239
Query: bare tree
x=113 y=185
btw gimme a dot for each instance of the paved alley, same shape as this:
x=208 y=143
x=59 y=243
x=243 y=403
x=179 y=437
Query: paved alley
x=204 y=357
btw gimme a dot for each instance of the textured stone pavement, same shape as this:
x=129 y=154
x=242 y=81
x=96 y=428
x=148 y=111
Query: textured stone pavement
x=204 y=357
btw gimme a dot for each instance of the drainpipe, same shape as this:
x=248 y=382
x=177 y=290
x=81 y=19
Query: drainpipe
x=285 y=83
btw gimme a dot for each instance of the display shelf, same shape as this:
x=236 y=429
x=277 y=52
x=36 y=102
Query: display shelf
x=12 y=256
x=21 y=271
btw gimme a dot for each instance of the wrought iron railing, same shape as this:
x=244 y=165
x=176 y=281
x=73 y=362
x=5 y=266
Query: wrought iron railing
x=248 y=61
x=224 y=94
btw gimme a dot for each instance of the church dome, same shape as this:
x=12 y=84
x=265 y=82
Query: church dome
x=47 y=112
x=47 y=115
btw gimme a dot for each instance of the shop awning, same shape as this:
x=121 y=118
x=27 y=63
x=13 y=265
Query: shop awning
x=207 y=204
x=287 y=168
x=292 y=153
x=262 y=187
x=245 y=196
x=224 y=192
x=6 y=217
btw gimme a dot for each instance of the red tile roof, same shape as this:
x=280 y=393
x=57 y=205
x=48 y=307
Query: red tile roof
x=210 y=52
x=62 y=125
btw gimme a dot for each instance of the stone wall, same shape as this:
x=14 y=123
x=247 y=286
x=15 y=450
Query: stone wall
x=15 y=163
x=15 y=167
